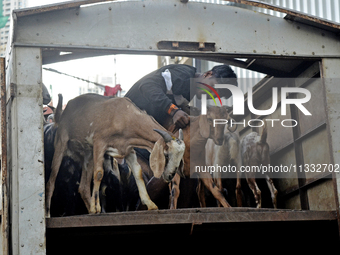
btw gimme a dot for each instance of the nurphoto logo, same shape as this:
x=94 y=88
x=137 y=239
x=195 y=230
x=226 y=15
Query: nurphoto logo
x=238 y=105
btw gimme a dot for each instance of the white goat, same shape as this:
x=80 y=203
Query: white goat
x=226 y=154
x=254 y=152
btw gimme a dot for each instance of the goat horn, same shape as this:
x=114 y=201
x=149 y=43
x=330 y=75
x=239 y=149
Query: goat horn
x=180 y=134
x=167 y=138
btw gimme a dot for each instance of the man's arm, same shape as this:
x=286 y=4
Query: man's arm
x=161 y=104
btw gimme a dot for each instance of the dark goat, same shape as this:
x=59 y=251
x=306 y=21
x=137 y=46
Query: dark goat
x=66 y=200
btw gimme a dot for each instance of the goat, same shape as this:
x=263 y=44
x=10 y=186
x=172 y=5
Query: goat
x=195 y=138
x=100 y=125
x=254 y=152
x=46 y=95
x=226 y=154
x=66 y=200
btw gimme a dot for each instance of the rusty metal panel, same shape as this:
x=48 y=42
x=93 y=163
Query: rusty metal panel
x=285 y=157
x=316 y=106
x=321 y=197
x=293 y=203
x=274 y=140
x=330 y=72
x=316 y=151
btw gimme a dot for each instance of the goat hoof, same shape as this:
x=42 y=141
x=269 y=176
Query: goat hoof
x=152 y=206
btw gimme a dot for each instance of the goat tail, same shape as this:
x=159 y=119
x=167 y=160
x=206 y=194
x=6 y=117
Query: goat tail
x=264 y=133
x=59 y=109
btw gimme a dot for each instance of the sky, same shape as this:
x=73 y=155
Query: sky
x=127 y=68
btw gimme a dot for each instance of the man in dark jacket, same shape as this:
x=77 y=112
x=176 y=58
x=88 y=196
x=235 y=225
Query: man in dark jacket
x=160 y=92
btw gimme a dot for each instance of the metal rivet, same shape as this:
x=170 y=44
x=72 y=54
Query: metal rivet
x=41 y=245
x=37 y=57
x=274 y=51
x=143 y=5
x=19 y=63
x=323 y=46
x=22 y=208
x=188 y=28
x=110 y=8
x=294 y=52
x=204 y=7
x=39 y=127
x=40 y=199
x=254 y=51
x=39 y=150
x=150 y=47
x=22 y=245
x=268 y=19
x=298 y=27
x=37 y=34
x=21 y=130
x=127 y=46
x=313 y=53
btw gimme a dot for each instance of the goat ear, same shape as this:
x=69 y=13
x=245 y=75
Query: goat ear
x=204 y=126
x=180 y=169
x=157 y=158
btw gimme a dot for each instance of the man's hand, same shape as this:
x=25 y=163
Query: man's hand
x=181 y=119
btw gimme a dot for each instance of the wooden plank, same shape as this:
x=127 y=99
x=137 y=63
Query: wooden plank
x=188 y=216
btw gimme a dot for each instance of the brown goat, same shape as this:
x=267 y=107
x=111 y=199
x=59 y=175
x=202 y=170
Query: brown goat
x=113 y=126
x=195 y=137
x=254 y=152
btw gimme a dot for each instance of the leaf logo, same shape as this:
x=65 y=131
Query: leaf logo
x=213 y=90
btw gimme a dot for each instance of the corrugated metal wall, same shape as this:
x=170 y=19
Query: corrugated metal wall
x=327 y=9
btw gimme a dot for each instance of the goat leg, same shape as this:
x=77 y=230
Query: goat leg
x=200 y=193
x=238 y=190
x=131 y=160
x=273 y=190
x=255 y=189
x=98 y=174
x=85 y=183
x=210 y=185
x=174 y=193
x=60 y=147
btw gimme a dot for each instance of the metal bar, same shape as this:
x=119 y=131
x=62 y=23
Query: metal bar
x=308 y=184
x=26 y=148
x=299 y=157
x=4 y=181
x=189 y=216
x=272 y=37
